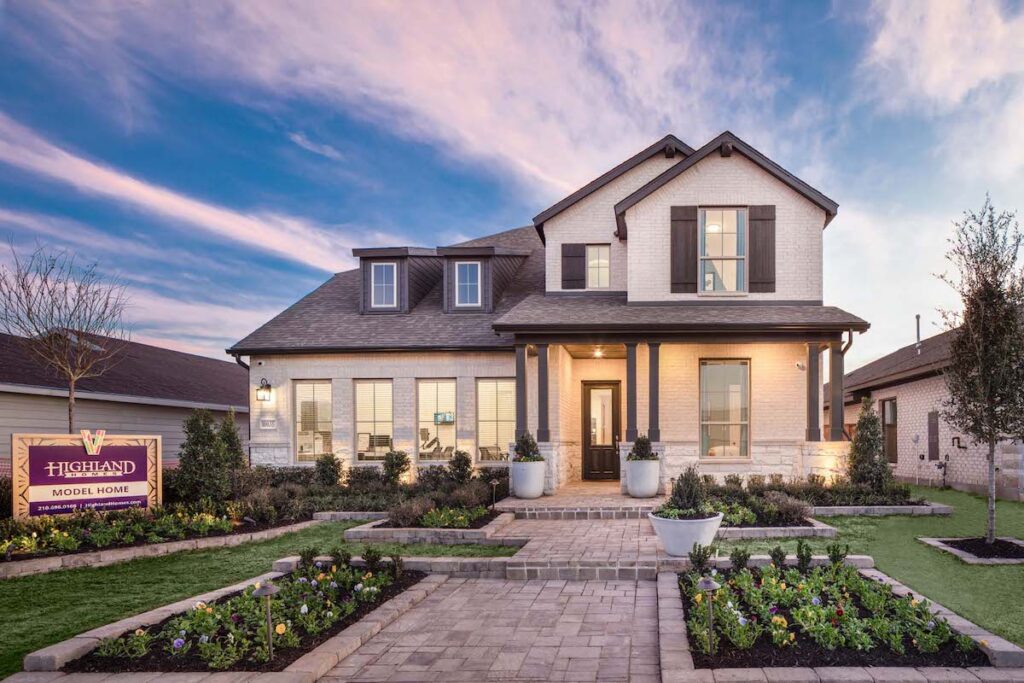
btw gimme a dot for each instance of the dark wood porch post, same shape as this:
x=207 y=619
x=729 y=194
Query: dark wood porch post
x=653 y=427
x=835 y=360
x=630 y=391
x=543 y=432
x=813 y=388
x=520 y=390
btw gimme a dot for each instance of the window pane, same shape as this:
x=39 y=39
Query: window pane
x=313 y=427
x=722 y=275
x=598 y=266
x=601 y=417
x=383 y=284
x=724 y=408
x=374 y=428
x=436 y=419
x=467 y=284
x=496 y=417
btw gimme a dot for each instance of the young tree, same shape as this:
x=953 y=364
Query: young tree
x=985 y=377
x=69 y=317
x=867 y=464
x=203 y=463
x=228 y=434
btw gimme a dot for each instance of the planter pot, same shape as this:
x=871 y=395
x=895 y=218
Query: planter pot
x=642 y=477
x=679 y=535
x=528 y=479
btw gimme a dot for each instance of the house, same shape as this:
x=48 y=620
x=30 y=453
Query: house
x=678 y=295
x=149 y=390
x=909 y=390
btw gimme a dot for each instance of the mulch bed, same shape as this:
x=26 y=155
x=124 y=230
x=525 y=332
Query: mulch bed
x=1003 y=550
x=243 y=529
x=158 y=660
x=478 y=523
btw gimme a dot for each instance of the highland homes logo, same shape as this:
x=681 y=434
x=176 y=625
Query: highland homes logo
x=93 y=442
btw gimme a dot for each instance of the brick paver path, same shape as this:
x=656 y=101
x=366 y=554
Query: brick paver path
x=496 y=630
x=582 y=494
x=607 y=540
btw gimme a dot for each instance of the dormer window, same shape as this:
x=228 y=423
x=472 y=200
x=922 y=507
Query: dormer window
x=723 y=263
x=467 y=283
x=385 y=285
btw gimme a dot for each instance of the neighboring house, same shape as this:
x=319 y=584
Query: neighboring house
x=148 y=390
x=908 y=389
x=677 y=295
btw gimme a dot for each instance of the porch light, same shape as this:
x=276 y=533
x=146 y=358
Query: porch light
x=598 y=352
x=264 y=391
x=268 y=591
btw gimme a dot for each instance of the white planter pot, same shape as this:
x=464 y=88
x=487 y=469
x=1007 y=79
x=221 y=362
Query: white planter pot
x=528 y=479
x=680 y=535
x=642 y=477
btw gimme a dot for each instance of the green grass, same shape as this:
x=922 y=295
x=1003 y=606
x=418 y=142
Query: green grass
x=990 y=596
x=41 y=610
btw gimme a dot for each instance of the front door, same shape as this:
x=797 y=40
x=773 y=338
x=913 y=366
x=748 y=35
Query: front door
x=601 y=430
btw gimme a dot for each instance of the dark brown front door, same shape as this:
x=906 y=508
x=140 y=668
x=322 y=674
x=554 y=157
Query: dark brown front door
x=601 y=430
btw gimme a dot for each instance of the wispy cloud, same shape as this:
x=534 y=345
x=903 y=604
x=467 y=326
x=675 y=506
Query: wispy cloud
x=288 y=236
x=318 y=148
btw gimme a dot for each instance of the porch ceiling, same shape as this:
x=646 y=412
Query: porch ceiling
x=616 y=351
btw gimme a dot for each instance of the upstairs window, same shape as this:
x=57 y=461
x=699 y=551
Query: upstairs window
x=385 y=285
x=467 y=283
x=598 y=266
x=723 y=251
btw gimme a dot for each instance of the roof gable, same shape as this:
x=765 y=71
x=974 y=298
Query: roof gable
x=726 y=144
x=668 y=145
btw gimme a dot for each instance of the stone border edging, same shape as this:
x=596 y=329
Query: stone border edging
x=971 y=558
x=816 y=529
x=335 y=516
x=373 y=532
x=53 y=657
x=103 y=558
x=928 y=508
x=581 y=513
x=677 y=663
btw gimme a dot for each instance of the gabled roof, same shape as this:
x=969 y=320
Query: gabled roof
x=669 y=145
x=726 y=144
x=162 y=376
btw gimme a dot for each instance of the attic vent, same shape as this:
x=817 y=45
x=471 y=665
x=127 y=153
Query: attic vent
x=726 y=149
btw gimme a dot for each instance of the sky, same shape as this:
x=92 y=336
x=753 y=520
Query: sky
x=222 y=159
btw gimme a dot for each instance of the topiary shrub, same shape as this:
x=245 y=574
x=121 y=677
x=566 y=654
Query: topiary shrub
x=396 y=464
x=526 y=449
x=228 y=434
x=460 y=467
x=867 y=465
x=203 y=462
x=688 y=491
x=642 y=449
x=328 y=470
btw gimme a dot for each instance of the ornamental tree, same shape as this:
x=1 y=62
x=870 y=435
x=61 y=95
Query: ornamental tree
x=867 y=464
x=985 y=377
x=204 y=464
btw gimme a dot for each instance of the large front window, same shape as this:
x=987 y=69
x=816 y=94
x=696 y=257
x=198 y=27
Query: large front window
x=723 y=250
x=436 y=402
x=312 y=420
x=889 y=421
x=725 y=408
x=467 y=284
x=374 y=419
x=495 y=417
x=598 y=266
x=385 y=288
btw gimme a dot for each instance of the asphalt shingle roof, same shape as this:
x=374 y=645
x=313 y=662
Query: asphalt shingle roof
x=142 y=371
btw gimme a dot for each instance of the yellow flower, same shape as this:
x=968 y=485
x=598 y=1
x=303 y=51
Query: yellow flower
x=782 y=585
x=200 y=605
x=256 y=585
x=281 y=628
x=915 y=602
x=368 y=575
x=780 y=621
x=698 y=598
x=209 y=610
x=983 y=643
x=800 y=587
x=792 y=637
x=139 y=632
x=334 y=568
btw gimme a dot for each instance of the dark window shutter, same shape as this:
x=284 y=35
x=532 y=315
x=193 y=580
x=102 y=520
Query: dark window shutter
x=683 y=248
x=761 y=252
x=933 y=435
x=574 y=266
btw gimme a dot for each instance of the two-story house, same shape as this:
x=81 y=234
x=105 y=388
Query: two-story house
x=677 y=295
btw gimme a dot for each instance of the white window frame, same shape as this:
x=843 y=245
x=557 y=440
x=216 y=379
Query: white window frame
x=296 y=418
x=479 y=284
x=373 y=284
x=700 y=411
x=587 y=256
x=701 y=258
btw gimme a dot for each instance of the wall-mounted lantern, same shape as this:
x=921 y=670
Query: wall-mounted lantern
x=264 y=391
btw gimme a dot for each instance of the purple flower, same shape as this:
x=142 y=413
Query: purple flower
x=302 y=579
x=313 y=583
x=236 y=618
x=318 y=565
x=930 y=625
x=743 y=621
x=815 y=600
x=178 y=643
x=334 y=584
x=773 y=609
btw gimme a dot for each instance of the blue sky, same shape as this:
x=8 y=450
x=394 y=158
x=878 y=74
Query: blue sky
x=223 y=159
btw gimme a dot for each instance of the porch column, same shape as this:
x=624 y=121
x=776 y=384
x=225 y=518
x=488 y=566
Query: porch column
x=630 y=391
x=654 y=427
x=835 y=360
x=520 y=390
x=543 y=432
x=813 y=388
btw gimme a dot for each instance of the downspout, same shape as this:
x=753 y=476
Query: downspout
x=238 y=359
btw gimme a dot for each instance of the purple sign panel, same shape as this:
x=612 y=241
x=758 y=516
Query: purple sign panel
x=63 y=479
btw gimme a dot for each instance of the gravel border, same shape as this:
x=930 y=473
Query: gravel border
x=971 y=558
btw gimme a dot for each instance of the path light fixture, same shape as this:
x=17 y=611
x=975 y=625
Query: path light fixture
x=264 y=391
x=494 y=493
x=268 y=590
x=708 y=586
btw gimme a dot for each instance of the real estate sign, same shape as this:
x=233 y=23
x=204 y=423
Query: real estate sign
x=60 y=473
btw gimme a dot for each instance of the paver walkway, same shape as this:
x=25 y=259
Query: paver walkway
x=582 y=495
x=604 y=540
x=497 y=630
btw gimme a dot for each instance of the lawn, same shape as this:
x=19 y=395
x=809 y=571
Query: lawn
x=992 y=597
x=47 y=608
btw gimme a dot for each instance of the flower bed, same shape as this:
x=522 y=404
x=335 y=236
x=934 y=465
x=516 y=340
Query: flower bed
x=446 y=518
x=315 y=602
x=816 y=492
x=829 y=615
x=739 y=507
